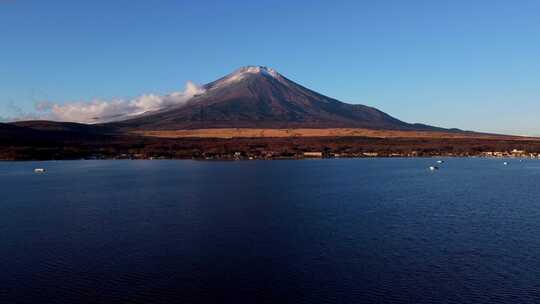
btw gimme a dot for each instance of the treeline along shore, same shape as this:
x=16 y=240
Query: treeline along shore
x=91 y=146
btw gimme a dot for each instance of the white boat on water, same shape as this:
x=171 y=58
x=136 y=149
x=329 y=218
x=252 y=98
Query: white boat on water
x=440 y=161
x=39 y=170
x=505 y=163
x=433 y=168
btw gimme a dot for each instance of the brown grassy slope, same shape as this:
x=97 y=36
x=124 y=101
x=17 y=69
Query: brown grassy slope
x=333 y=132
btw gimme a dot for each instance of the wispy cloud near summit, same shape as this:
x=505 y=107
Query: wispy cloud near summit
x=98 y=111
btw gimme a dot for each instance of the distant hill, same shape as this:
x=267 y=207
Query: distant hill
x=67 y=127
x=48 y=132
x=13 y=132
x=260 y=97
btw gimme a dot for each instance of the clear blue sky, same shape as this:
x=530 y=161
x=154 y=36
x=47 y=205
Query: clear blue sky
x=467 y=64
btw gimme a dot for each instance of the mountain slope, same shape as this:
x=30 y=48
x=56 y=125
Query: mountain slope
x=260 y=97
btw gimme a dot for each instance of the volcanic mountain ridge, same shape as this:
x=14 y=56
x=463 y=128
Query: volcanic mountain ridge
x=260 y=97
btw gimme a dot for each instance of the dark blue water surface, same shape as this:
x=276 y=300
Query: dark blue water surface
x=321 y=231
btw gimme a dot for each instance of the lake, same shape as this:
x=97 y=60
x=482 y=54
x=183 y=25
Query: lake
x=311 y=231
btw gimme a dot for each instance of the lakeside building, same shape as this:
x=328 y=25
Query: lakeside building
x=313 y=154
x=370 y=154
x=514 y=153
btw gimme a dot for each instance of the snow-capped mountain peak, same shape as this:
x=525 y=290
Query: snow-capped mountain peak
x=257 y=70
x=245 y=72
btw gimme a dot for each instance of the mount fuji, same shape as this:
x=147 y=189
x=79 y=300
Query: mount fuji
x=260 y=97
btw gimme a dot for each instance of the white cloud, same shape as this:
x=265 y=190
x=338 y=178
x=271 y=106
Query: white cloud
x=98 y=111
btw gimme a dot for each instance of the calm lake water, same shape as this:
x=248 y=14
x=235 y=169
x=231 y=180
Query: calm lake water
x=314 y=231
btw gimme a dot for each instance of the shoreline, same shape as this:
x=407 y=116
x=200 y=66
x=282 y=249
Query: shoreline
x=140 y=147
x=272 y=159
